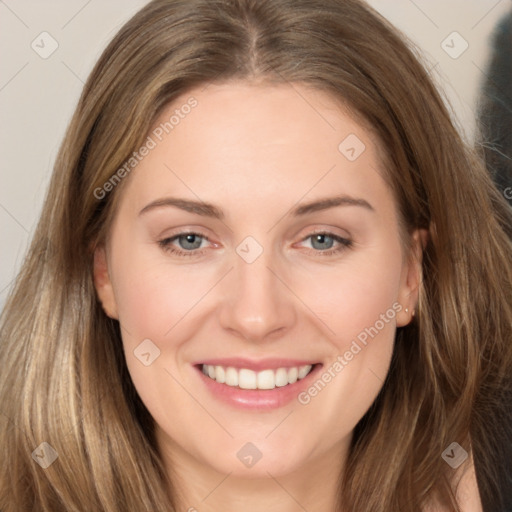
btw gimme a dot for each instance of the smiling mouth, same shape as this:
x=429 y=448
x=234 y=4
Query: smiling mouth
x=244 y=378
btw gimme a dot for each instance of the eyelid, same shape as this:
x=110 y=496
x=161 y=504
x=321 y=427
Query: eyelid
x=326 y=231
x=183 y=231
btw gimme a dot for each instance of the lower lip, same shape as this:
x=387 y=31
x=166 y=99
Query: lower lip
x=257 y=399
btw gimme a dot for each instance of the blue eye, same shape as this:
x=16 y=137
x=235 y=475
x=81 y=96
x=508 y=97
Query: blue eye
x=323 y=243
x=188 y=243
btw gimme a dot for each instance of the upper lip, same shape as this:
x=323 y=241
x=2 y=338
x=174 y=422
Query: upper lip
x=256 y=365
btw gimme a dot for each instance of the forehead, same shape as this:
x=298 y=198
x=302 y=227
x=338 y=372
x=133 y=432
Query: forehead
x=257 y=143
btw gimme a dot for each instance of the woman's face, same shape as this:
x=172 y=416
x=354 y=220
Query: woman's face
x=258 y=241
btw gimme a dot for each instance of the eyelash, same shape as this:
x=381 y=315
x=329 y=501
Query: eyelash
x=165 y=244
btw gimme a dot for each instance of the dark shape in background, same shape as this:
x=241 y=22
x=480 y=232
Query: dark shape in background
x=495 y=139
x=495 y=109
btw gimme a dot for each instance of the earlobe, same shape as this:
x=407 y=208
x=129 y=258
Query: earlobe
x=103 y=284
x=412 y=277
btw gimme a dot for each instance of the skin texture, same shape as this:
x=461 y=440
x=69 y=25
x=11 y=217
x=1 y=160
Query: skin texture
x=256 y=152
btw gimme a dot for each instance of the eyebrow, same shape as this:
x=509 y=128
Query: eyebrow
x=210 y=210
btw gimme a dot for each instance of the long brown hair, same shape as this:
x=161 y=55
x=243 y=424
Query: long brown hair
x=64 y=380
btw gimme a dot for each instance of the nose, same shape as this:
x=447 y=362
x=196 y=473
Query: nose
x=257 y=305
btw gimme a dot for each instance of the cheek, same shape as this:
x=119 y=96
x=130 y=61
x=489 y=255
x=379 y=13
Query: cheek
x=363 y=316
x=351 y=296
x=358 y=303
x=153 y=295
x=156 y=301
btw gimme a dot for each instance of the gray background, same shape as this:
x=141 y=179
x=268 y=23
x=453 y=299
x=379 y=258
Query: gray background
x=38 y=95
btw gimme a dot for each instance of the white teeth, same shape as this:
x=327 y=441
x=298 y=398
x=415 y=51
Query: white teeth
x=266 y=379
x=220 y=374
x=231 y=377
x=303 y=371
x=249 y=379
x=281 y=377
x=293 y=374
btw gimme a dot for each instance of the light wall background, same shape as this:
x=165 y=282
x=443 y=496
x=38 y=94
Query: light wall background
x=38 y=95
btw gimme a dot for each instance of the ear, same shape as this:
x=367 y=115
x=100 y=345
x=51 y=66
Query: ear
x=103 y=284
x=412 y=276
